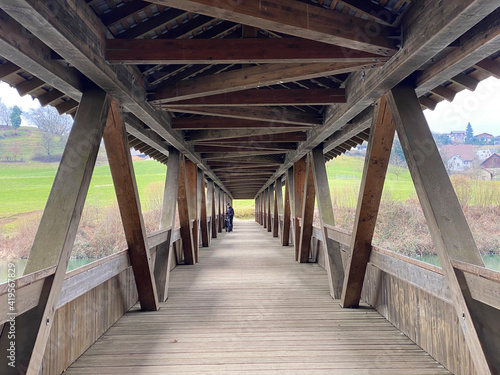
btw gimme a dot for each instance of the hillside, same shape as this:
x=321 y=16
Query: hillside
x=24 y=143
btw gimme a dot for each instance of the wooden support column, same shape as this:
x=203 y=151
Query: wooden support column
x=370 y=194
x=449 y=229
x=333 y=258
x=219 y=217
x=211 y=209
x=203 y=211
x=279 y=206
x=276 y=214
x=307 y=213
x=57 y=231
x=269 y=208
x=164 y=256
x=184 y=216
x=299 y=178
x=261 y=209
x=122 y=171
x=287 y=215
x=192 y=190
x=264 y=195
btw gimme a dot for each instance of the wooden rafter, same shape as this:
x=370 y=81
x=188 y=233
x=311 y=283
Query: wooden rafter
x=247 y=78
x=298 y=19
x=223 y=123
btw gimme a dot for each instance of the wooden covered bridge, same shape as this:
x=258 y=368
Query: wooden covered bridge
x=249 y=99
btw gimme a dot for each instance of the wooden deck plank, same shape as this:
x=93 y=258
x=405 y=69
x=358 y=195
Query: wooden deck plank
x=247 y=307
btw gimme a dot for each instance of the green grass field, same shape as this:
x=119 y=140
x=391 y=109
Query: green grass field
x=27 y=141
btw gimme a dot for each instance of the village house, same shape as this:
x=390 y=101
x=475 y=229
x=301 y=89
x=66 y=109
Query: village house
x=484 y=137
x=490 y=168
x=484 y=154
x=457 y=137
x=458 y=158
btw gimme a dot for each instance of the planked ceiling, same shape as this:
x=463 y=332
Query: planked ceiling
x=245 y=90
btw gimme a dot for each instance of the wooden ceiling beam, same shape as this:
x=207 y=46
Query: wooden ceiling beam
x=123 y=12
x=222 y=135
x=50 y=97
x=262 y=138
x=271 y=147
x=214 y=123
x=230 y=51
x=490 y=66
x=8 y=68
x=260 y=97
x=28 y=86
x=246 y=154
x=143 y=28
x=468 y=82
x=257 y=114
x=298 y=19
x=248 y=78
x=444 y=92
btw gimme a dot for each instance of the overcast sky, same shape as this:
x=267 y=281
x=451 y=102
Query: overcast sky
x=481 y=108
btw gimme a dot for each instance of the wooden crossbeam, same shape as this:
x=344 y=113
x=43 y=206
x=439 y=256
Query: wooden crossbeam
x=470 y=83
x=249 y=78
x=260 y=97
x=307 y=213
x=279 y=115
x=242 y=135
x=163 y=254
x=223 y=123
x=333 y=258
x=57 y=231
x=229 y=51
x=298 y=19
x=370 y=194
x=8 y=68
x=490 y=66
x=122 y=172
x=449 y=230
x=224 y=147
x=240 y=154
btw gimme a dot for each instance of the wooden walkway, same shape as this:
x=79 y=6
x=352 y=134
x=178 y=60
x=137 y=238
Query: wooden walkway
x=248 y=308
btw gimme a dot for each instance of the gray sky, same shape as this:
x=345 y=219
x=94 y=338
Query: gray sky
x=481 y=108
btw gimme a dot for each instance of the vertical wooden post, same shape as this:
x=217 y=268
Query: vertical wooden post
x=279 y=207
x=333 y=258
x=219 y=217
x=214 y=211
x=57 y=231
x=449 y=229
x=261 y=208
x=287 y=216
x=184 y=216
x=276 y=214
x=163 y=253
x=210 y=209
x=370 y=194
x=192 y=190
x=269 y=208
x=122 y=172
x=203 y=212
x=299 y=178
x=307 y=213
x=264 y=207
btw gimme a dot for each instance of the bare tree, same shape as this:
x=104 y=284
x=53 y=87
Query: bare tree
x=15 y=149
x=5 y=113
x=47 y=119
x=48 y=142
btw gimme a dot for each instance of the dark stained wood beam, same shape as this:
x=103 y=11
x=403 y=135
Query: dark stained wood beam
x=223 y=123
x=264 y=138
x=470 y=83
x=287 y=210
x=444 y=93
x=298 y=19
x=372 y=10
x=8 y=68
x=123 y=12
x=244 y=154
x=248 y=78
x=183 y=198
x=256 y=97
x=490 y=66
x=306 y=229
x=50 y=97
x=271 y=147
x=258 y=114
x=299 y=182
x=243 y=134
x=146 y=27
x=230 y=51
x=263 y=159
x=370 y=195
x=122 y=172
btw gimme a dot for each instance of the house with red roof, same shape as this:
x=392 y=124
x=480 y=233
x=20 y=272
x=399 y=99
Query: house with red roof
x=458 y=158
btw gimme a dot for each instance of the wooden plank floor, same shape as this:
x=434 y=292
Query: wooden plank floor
x=248 y=308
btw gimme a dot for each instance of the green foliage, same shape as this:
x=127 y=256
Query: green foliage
x=15 y=117
x=469 y=134
x=441 y=139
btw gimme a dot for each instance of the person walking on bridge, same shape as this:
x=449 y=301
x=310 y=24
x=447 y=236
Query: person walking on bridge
x=229 y=215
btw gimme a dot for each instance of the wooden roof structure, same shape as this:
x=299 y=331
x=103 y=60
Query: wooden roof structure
x=245 y=91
